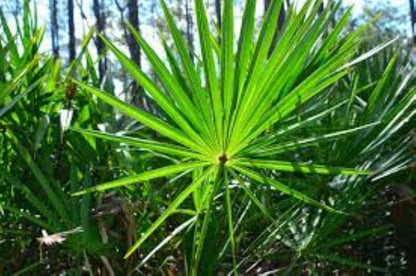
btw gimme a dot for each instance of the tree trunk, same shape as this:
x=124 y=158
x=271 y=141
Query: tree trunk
x=53 y=9
x=189 y=27
x=133 y=18
x=218 y=12
x=71 y=29
x=413 y=18
x=321 y=8
x=134 y=49
x=100 y=23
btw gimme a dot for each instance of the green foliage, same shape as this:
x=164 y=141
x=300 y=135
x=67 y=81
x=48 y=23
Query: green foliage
x=267 y=153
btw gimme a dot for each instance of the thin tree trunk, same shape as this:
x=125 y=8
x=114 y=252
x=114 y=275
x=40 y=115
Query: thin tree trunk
x=102 y=65
x=133 y=17
x=282 y=17
x=218 y=12
x=413 y=18
x=80 y=5
x=121 y=9
x=153 y=17
x=53 y=9
x=321 y=8
x=71 y=29
x=134 y=49
x=189 y=27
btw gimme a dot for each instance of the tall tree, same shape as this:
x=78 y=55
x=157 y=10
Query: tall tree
x=134 y=49
x=132 y=6
x=133 y=18
x=71 y=29
x=218 y=12
x=321 y=8
x=122 y=8
x=85 y=23
x=53 y=10
x=100 y=24
x=189 y=26
x=413 y=18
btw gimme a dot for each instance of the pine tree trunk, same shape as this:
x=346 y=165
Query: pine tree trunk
x=53 y=9
x=71 y=29
x=218 y=12
x=282 y=17
x=413 y=18
x=321 y=8
x=189 y=27
x=134 y=49
x=100 y=23
x=133 y=18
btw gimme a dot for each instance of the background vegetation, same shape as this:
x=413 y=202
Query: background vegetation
x=283 y=143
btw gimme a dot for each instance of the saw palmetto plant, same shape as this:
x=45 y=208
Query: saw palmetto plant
x=272 y=146
x=33 y=176
x=223 y=119
x=314 y=237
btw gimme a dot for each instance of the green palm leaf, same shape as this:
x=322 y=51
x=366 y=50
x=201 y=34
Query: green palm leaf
x=231 y=111
x=148 y=175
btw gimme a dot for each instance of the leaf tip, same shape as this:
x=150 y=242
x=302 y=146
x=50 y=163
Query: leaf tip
x=79 y=193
